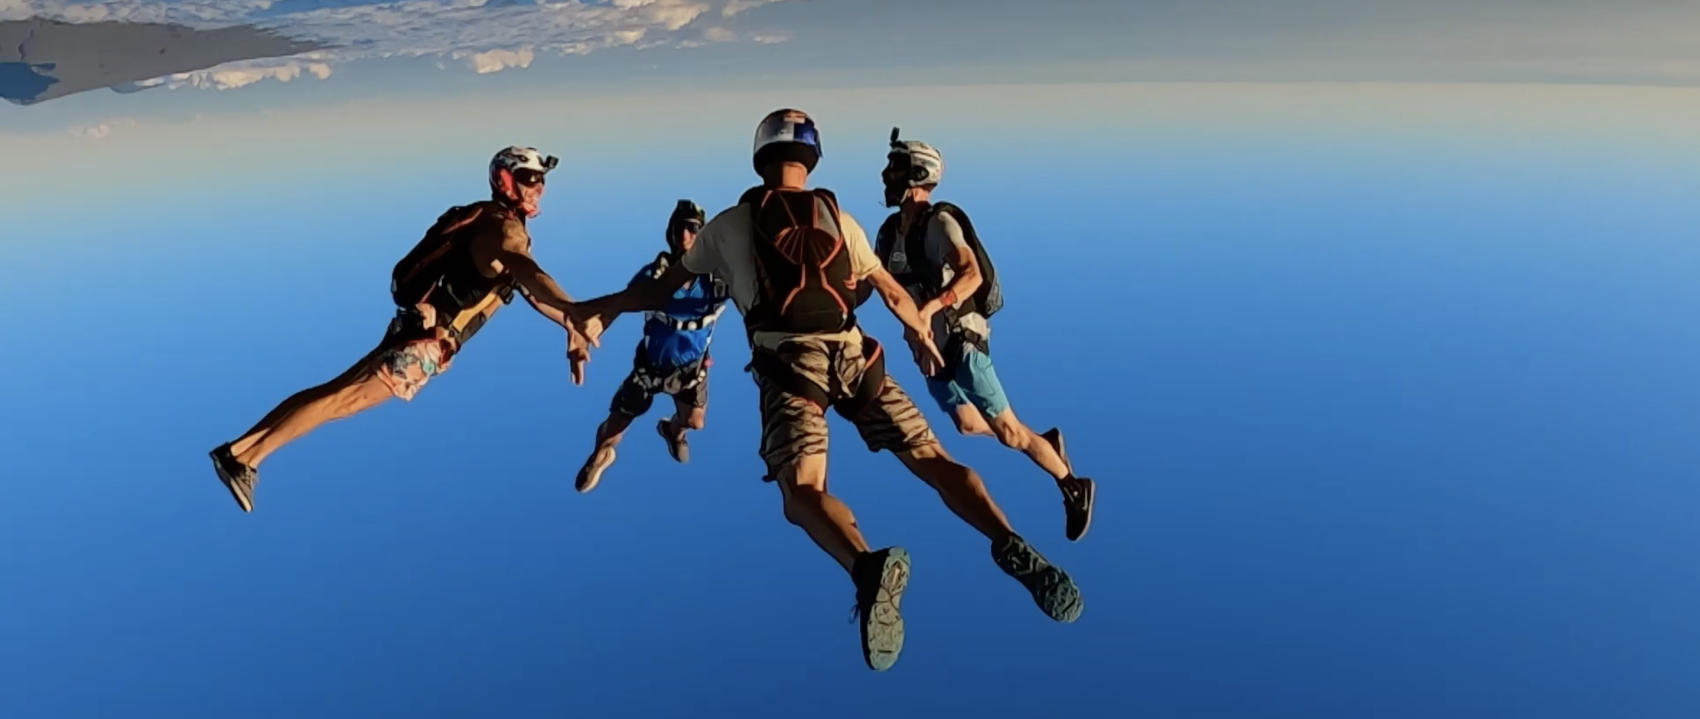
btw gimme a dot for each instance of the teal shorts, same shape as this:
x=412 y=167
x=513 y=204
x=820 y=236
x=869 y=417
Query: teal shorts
x=974 y=381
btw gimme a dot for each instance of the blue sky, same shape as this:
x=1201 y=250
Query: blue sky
x=1388 y=387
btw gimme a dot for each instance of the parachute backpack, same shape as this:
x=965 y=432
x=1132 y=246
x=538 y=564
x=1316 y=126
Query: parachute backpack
x=988 y=298
x=423 y=267
x=436 y=271
x=805 y=281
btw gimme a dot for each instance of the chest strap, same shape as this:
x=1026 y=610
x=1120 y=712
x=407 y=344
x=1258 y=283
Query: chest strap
x=694 y=323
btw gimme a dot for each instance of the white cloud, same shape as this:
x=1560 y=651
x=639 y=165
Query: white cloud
x=240 y=74
x=770 y=38
x=485 y=63
x=487 y=36
x=734 y=7
x=96 y=132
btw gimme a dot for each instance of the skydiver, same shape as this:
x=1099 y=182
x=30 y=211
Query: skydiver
x=943 y=266
x=466 y=267
x=672 y=356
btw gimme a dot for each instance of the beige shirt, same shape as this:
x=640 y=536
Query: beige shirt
x=723 y=248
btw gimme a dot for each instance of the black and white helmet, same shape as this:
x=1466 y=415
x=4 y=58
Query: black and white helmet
x=518 y=162
x=926 y=163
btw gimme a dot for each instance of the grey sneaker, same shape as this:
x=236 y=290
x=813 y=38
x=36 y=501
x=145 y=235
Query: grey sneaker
x=880 y=579
x=1051 y=587
x=237 y=477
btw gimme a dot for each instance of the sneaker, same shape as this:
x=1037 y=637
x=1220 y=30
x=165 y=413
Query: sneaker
x=880 y=579
x=237 y=477
x=591 y=473
x=1077 y=495
x=1077 y=492
x=1051 y=587
x=676 y=444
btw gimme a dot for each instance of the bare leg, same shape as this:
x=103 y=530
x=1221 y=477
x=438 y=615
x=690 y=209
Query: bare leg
x=612 y=430
x=339 y=403
x=827 y=520
x=355 y=390
x=687 y=417
x=1051 y=588
x=969 y=421
x=1015 y=435
x=960 y=488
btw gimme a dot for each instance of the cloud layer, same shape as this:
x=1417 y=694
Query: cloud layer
x=486 y=35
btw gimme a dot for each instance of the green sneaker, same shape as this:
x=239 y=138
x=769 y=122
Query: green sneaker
x=880 y=579
x=1051 y=587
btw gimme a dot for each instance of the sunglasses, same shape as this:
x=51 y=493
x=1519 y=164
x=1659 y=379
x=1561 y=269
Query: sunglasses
x=528 y=177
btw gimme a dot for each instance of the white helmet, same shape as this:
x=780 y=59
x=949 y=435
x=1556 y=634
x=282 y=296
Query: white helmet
x=515 y=159
x=517 y=166
x=926 y=163
x=786 y=135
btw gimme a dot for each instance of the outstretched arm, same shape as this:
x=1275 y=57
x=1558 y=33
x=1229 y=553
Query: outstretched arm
x=915 y=330
x=594 y=315
x=513 y=250
x=538 y=287
x=555 y=315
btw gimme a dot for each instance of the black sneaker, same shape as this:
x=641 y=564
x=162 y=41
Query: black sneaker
x=591 y=473
x=880 y=579
x=676 y=444
x=1077 y=495
x=1051 y=587
x=237 y=477
x=1077 y=492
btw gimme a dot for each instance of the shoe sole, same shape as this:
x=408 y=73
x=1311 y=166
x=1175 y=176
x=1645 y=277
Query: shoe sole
x=1090 y=493
x=1059 y=598
x=243 y=501
x=680 y=453
x=1051 y=588
x=882 y=625
x=591 y=476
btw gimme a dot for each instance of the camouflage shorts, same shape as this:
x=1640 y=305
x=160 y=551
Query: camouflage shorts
x=793 y=426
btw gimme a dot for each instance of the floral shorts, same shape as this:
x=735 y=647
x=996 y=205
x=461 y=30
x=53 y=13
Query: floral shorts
x=406 y=367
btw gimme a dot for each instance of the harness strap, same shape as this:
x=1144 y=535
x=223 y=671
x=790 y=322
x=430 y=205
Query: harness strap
x=647 y=377
x=716 y=291
x=469 y=320
x=873 y=378
x=695 y=323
